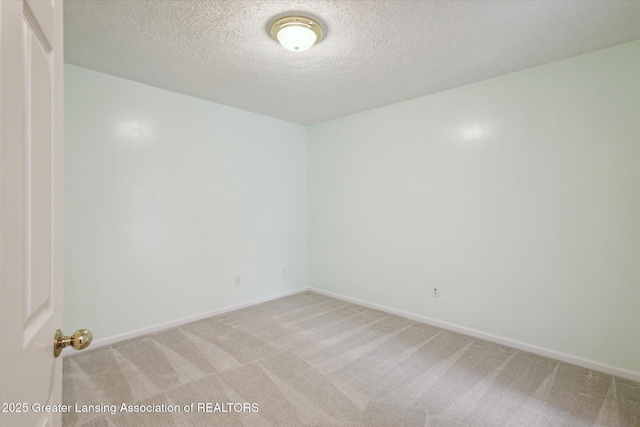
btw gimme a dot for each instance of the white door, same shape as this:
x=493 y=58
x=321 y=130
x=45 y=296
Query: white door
x=31 y=173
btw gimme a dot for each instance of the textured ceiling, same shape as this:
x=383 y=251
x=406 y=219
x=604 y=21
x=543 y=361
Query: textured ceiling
x=374 y=53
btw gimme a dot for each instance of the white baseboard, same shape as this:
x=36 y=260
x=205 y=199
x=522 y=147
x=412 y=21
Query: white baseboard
x=172 y=324
x=574 y=360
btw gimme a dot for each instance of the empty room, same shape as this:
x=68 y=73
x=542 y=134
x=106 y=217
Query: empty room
x=320 y=213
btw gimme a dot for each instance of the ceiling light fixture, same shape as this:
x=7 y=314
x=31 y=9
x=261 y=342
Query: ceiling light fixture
x=296 y=33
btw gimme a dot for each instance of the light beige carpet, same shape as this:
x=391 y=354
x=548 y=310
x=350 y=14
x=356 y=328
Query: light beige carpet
x=310 y=360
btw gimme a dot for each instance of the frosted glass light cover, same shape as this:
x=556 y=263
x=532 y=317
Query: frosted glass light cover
x=296 y=38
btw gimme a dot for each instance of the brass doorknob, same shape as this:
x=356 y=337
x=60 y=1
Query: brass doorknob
x=79 y=340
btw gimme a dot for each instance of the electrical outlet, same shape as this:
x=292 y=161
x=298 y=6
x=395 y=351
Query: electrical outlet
x=435 y=292
x=237 y=281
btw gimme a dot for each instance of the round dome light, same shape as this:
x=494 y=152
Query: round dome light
x=296 y=33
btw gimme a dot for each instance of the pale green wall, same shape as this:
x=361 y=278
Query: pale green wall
x=518 y=196
x=168 y=198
